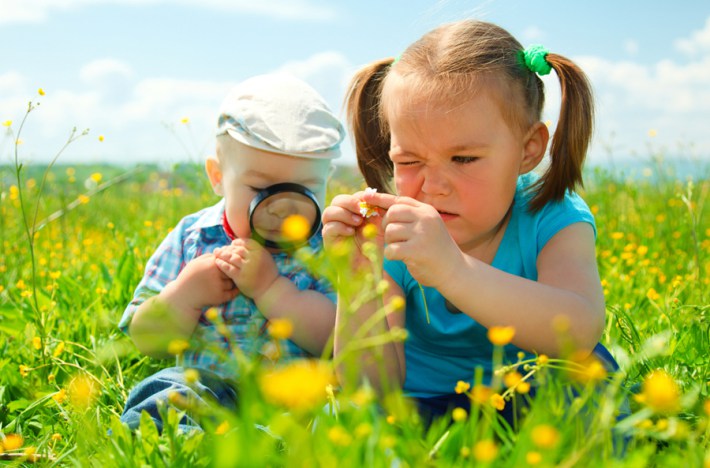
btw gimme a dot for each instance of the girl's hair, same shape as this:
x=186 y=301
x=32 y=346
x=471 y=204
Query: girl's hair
x=453 y=61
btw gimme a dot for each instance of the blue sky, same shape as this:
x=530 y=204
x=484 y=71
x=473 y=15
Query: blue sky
x=131 y=70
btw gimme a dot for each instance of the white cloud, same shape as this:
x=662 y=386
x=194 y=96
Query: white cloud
x=140 y=118
x=532 y=34
x=25 y=11
x=698 y=42
x=105 y=69
x=631 y=47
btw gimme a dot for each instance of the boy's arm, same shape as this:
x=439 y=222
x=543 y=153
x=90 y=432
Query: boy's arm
x=173 y=314
x=311 y=312
x=254 y=271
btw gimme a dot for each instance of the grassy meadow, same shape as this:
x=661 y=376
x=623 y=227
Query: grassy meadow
x=75 y=240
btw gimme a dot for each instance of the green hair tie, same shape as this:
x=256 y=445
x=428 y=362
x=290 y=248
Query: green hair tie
x=535 y=59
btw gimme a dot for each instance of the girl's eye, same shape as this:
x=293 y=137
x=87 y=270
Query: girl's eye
x=405 y=163
x=254 y=189
x=464 y=159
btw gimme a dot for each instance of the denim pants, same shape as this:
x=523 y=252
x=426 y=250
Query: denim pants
x=146 y=395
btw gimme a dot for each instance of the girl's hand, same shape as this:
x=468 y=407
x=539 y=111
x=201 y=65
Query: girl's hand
x=342 y=222
x=249 y=265
x=415 y=234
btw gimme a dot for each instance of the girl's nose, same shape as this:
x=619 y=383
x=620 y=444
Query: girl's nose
x=435 y=182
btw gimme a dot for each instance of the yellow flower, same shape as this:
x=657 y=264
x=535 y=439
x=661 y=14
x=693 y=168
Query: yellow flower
x=369 y=231
x=192 y=376
x=363 y=430
x=585 y=368
x=542 y=360
x=24 y=370
x=653 y=295
x=497 y=401
x=660 y=393
x=82 y=392
x=212 y=314
x=178 y=347
x=37 y=343
x=545 y=436
x=59 y=349
x=185 y=120
x=459 y=414
x=485 y=450
x=501 y=336
x=462 y=387
x=397 y=303
x=41 y=92
x=96 y=177
x=299 y=385
x=652 y=133
x=12 y=441
x=7 y=123
x=56 y=437
x=295 y=228
x=511 y=379
x=706 y=407
x=465 y=452
x=101 y=138
x=533 y=458
x=481 y=394
x=83 y=199
x=280 y=329
x=60 y=396
x=617 y=235
x=222 y=428
x=339 y=436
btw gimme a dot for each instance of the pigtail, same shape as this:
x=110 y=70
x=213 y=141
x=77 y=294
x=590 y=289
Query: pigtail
x=370 y=133
x=572 y=136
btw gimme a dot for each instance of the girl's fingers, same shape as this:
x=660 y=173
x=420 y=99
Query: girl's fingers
x=386 y=200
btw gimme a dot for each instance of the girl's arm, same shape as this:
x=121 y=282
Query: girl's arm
x=568 y=287
x=567 y=294
x=382 y=365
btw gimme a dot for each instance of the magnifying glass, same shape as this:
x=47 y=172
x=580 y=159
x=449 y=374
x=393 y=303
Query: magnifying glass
x=277 y=209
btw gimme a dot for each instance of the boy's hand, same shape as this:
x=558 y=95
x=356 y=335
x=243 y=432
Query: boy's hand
x=201 y=284
x=249 y=265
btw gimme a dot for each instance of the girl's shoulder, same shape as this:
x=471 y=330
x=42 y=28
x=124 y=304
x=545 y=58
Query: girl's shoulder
x=554 y=216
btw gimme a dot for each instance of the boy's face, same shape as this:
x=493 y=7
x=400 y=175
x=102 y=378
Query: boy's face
x=239 y=172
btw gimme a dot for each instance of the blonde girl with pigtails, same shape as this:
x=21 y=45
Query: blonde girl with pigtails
x=450 y=133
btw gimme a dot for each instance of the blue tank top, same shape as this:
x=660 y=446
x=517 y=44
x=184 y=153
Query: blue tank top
x=453 y=345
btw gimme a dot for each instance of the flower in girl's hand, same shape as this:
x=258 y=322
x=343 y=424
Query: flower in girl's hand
x=367 y=210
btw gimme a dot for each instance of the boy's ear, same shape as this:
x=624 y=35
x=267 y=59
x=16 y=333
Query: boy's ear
x=214 y=173
x=534 y=147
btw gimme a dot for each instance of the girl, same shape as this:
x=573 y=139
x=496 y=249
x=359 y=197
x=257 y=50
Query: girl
x=473 y=239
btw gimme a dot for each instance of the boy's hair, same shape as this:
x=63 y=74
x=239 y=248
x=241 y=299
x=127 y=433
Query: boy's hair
x=453 y=61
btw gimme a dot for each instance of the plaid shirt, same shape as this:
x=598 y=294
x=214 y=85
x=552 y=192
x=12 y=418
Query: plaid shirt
x=201 y=233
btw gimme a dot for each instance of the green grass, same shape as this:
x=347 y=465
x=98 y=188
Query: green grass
x=65 y=369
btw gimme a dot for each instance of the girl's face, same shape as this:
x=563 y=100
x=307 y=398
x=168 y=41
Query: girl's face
x=241 y=172
x=462 y=159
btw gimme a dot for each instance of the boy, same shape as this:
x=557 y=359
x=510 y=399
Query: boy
x=271 y=129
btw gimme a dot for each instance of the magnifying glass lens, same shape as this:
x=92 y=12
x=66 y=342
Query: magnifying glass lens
x=284 y=216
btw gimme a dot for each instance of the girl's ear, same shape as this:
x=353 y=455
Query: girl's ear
x=534 y=147
x=214 y=173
